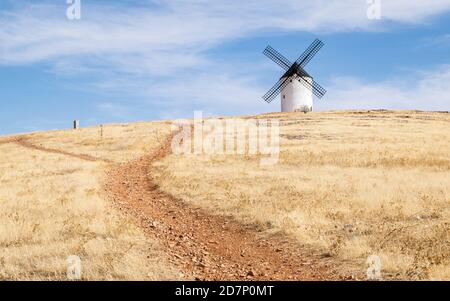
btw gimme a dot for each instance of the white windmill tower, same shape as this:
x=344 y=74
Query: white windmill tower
x=296 y=85
x=295 y=97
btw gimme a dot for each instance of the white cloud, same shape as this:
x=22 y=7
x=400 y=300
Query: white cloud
x=173 y=34
x=437 y=41
x=217 y=93
x=423 y=90
x=114 y=109
x=412 y=11
x=224 y=94
x=161 y=50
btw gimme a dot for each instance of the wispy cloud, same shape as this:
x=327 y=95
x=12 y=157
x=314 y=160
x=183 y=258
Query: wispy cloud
x=114 y=109
x=437 y=41
x=174 y=34
x=426 y=90
x=160 y=48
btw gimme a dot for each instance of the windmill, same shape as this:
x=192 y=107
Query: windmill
x=296 y=85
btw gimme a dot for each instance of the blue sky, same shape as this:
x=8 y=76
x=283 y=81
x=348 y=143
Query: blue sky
x=135 y=60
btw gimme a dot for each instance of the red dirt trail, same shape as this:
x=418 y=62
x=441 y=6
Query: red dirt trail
x=203 y=246
x=26 y=143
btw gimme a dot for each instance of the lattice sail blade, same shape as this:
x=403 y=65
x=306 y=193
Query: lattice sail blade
x=309 y=53
x=294 y=71
x=277 y=57
x=317 y=89
x=276 y=89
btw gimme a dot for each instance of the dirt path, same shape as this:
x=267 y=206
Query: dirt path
x=22 y=141
x=7 y=140
x=205 y=246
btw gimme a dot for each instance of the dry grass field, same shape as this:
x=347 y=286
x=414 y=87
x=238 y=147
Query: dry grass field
x=350 y=183
x=52 y=206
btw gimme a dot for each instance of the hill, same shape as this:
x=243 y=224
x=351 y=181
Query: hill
x=346 y=185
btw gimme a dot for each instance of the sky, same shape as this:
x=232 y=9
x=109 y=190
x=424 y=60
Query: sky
x=134 y=60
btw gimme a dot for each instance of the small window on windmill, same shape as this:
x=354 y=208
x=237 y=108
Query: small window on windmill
x=284 y=96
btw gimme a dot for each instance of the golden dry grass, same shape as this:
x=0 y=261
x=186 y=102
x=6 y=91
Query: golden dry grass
x=52 y=206
x=119 y=143
x=351 y=183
